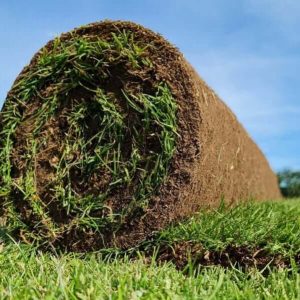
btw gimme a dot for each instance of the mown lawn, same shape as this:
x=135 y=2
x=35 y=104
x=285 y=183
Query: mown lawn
x=25 y=273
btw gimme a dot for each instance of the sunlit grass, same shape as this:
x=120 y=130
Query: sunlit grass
x=274 y=226
x=27 y=273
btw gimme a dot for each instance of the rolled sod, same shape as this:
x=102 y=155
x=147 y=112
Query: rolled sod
x=108 y=135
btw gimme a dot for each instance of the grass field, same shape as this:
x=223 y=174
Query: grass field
x=268 y=232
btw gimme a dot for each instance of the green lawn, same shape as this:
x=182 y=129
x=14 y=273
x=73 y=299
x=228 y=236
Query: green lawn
x=274 y=226
x=27 y=274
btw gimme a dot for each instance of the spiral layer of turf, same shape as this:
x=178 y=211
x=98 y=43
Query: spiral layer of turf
x=86 y=140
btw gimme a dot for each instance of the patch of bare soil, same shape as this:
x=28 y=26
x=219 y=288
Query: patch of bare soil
x=182 y=254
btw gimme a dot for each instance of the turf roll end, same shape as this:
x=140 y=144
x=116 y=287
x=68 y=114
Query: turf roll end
x=109 y=135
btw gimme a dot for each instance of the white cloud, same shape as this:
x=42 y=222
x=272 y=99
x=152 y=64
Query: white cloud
x=287 y=12
x=282 y=14
x=250 y=85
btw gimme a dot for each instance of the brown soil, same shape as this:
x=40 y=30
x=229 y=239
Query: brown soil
x=215 y=157
x=185 y=254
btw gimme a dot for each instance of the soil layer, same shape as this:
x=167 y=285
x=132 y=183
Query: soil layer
x=185 y=254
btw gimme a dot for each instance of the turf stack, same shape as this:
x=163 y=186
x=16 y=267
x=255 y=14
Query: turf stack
x=109 y=134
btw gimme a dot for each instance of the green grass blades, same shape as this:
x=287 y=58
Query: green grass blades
x=28 y=274
x=274 y=226
x=83 y=143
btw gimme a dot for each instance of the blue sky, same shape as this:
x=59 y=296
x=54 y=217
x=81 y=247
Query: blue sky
x=246 y=50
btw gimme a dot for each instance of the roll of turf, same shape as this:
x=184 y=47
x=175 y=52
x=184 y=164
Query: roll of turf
x=109 y=135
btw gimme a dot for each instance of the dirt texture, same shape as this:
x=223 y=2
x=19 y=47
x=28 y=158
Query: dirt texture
x=215 y=157
x=186 y=254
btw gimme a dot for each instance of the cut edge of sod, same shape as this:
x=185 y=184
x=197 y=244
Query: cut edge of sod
x=113 y=141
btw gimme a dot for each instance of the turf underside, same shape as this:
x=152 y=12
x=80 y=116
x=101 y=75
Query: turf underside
x=27 y=274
